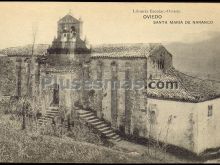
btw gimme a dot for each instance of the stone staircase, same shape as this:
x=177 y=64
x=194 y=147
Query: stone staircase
x=49 y=115
x=87 y=116
x=98 y=124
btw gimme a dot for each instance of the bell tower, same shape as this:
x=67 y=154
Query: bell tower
x=68 y=38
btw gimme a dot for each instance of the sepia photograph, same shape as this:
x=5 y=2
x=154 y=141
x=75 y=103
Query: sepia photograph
x=116 y=82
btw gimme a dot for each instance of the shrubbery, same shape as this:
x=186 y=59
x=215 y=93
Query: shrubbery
x=81 y=132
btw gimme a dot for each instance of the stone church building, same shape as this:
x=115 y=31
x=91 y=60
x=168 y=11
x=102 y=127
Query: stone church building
x=187 y=116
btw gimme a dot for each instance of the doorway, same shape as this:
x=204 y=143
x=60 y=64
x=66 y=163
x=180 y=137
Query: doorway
x=55 y=95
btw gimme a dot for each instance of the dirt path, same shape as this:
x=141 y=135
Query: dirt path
x=142 y=150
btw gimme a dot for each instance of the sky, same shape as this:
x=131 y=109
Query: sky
x=105 y=22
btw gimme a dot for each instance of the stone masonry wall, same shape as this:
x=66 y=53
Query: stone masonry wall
x=119 y=104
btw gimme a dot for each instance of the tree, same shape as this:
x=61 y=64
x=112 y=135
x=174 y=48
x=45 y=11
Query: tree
x=34 y=35
x=25 y=103
x=24 y=107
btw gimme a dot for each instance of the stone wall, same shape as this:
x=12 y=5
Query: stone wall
x=67 y=95
x=114 y=104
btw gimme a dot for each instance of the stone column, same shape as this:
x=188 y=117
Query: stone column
x=37 y=76
x=99 y=91
x=28 y=77
x=128 y=101
x=36 y=84
x=84 y=91
x=18 y=76
x=114 y=101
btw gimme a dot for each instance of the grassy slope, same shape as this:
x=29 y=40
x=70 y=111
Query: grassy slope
x=18 y=146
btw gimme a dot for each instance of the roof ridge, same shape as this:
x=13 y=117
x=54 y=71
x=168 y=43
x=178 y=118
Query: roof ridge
x=69 y=16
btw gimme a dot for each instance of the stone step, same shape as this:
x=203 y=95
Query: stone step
x=51 y=115
x=48 y=115
x=86 y=115
x=93 y=120
x=97 y=123
x=103 y=129
x=101 y=125
x=44 y=119
x=116 y=137
x=54 y=112
x=110 y=134
x=107 y=132
x=89 y=117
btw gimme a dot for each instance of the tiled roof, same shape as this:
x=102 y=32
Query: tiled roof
x=139 y=50
x=190 y=89
x=40 y=49
x=68 y=19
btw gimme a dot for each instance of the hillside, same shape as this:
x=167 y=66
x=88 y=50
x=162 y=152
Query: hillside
x=19 y=146
x=197 y=58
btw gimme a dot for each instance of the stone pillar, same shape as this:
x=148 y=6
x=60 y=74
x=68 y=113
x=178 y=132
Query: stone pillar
x=18 y=76
x=136 y=101
x=75 y=94
x=84 y=91
x=36 y=84
x=121 y=97
x=128 y=103
x=28 y=77
x=114 y=101
x=99 y=91
x=35 y=81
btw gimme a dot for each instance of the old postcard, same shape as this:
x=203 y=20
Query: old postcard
x=96 y=82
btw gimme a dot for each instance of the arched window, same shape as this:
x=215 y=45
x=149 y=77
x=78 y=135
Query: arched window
x=73 y=29
x=113 y=65
x=114 y=70
x=127 y=70
x=99 y=66
x=158 y=64
x=99 y=69
x=162 y=64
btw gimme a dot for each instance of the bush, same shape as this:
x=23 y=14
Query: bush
x=81 y=132
x=51 y=130
x=5 y=107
